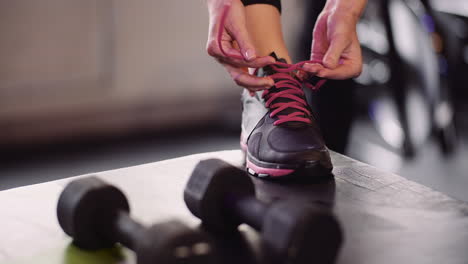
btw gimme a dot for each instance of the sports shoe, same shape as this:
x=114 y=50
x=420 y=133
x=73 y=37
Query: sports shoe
x=280 y=135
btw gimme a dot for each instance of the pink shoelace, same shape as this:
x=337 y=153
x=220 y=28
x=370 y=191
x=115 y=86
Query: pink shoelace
x=292 y=87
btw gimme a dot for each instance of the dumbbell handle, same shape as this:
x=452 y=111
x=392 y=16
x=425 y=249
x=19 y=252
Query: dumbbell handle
x=125 y=230
x=249 y=210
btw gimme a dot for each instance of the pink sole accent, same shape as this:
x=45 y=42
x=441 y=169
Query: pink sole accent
x=269 y=171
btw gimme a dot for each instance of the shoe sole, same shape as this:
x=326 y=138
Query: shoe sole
x=267 y=170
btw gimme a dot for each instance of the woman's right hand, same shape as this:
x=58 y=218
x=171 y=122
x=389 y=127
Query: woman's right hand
x=236 y=42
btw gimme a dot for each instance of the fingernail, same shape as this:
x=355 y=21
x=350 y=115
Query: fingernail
x=249 y=55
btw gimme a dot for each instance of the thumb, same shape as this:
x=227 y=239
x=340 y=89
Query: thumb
x=241 y=35
x=337 y=45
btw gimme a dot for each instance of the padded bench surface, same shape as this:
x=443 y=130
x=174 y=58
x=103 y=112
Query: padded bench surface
x=386 y=218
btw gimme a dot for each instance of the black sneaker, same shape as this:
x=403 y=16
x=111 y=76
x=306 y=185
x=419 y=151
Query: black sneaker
x=280 y=135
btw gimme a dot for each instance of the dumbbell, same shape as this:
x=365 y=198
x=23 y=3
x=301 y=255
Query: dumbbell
x=96 y=215
x=223 y=197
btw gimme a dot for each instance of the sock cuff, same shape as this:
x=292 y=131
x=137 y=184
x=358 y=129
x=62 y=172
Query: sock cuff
x=275 y=3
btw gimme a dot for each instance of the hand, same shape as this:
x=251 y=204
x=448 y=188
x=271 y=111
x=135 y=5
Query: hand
x=236 y=42
x=336 y=44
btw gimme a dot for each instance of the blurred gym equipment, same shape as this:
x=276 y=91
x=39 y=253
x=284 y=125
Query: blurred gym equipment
x=410 y=73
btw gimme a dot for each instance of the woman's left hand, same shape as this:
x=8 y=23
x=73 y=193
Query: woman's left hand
x=335 y=44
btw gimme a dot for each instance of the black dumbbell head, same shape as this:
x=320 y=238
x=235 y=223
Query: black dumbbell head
x=301 y=233
x=85 y=206
x=174 y=243
x=211 y=183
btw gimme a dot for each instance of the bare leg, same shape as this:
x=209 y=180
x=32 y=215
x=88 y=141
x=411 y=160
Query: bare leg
x=264 y=26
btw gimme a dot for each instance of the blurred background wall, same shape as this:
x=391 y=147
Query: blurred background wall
x=89 y=85
x=71 y=68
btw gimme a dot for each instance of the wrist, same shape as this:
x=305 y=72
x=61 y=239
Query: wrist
x=346 y=15
x=351 y=8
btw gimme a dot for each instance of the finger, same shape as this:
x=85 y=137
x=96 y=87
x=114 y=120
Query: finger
x=316 y=56
x=342 y=72
x=337 y=46
x=234 y=57
x=238 y=31
x=233 y=53
x=243 y=78
x=312 y=68
x=320 y=39
x=245 y=43
x=256 y=63
x=214 y=50
x=253 y=83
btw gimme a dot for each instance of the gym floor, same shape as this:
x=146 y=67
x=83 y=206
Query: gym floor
x=429 y=167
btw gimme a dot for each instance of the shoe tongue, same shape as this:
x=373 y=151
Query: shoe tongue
x=268 y=70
